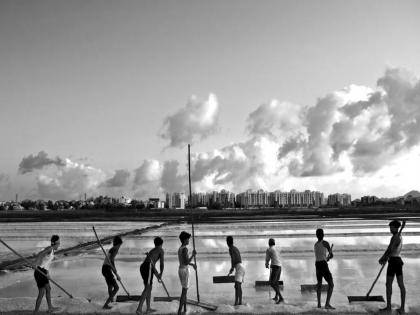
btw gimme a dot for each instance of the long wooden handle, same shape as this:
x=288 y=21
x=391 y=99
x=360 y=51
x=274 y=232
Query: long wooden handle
x=374 y=282
x=382 y=268
x=159 y=278
x=109 y=260
x=36 y=268
x=192 y=222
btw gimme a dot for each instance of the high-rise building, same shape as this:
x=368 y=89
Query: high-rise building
x=296 y=199
x=339 y=200
x=175 y=200
x=251 y=199
x=224 y=199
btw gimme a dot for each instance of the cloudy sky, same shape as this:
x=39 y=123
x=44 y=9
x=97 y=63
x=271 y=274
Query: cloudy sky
x=102 y=97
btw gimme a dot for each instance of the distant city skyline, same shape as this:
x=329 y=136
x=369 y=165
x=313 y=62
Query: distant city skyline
x=102 y=97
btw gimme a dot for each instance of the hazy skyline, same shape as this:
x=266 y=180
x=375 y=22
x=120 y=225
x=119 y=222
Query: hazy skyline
x=102 y=96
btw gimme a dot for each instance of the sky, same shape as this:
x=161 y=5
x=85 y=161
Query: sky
x=102 y=97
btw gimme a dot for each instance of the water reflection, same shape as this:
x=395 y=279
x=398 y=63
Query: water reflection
x=357 y=244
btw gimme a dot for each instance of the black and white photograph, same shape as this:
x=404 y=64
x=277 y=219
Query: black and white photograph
x=209 y=157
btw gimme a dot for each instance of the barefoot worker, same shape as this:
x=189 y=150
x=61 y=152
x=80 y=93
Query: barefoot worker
x=236 y=261
x=322 y=271
x=108 y=270
x=43 y=262
x=395 y=264
x=147 y=268
x=275 y=272
x=183 y=270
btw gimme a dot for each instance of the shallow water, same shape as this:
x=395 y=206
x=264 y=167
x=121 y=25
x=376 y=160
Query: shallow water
x=357 y=247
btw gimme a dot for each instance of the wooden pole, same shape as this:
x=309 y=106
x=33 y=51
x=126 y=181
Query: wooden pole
x=109 y=260
x=36 y=268
x=192 y=221
x=382 y=268
x=157 y=274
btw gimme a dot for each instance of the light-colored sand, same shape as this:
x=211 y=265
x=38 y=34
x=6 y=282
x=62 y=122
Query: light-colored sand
x=24 y=305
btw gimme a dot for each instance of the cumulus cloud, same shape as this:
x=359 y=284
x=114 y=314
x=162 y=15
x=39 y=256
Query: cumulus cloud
x=250 y=164
x=197 y=120
x=370 y=126
x=37 y=162
x=358 y=130
x=120 y=179
x=70 y=182
x=354 y=131
x=171 y=181
x=147 y=179
x=280 y=120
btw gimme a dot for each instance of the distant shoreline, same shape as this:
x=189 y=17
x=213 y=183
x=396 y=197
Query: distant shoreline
x=204 y=215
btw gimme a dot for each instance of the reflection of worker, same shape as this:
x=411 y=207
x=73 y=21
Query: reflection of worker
x=321 y=248
x=275 y=272
x=395 y=263
x=236 y=260
x=43 y=262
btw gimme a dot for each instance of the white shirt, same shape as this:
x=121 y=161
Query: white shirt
x=272 y=254
x=47 y=260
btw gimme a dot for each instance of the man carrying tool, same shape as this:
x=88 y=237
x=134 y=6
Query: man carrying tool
x=109 y=269
x=43 y=262
x=183 y=270
x=236 y=264
x=321 y=248
x=147 y=268
x=273 y=255
x=395 y=263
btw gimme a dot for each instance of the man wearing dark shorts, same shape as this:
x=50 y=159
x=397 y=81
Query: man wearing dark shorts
x=109 y=269
x=43 y=262
x=321 y=248
x=147 y=268
x=395 y=264
x=272 y=255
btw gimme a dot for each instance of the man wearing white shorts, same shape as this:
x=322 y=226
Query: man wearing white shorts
x=184 y=276
x=236 y=262
x=183 y=270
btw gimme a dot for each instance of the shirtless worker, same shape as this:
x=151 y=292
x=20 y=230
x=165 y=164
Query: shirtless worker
x=275 y=272
x=147 y=269
x=43 y=262
x=395 y=263
x=321 y=249
x=183 y=270
x=109 y=269
x=236 y=264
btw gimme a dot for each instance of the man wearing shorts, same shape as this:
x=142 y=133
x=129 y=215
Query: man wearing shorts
x=43 y=262
x=108 y=271
x=272 y=255
x=183 y=270
x=147 y=269
x=321 y=249
x=236 y=264
x=395 y=264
